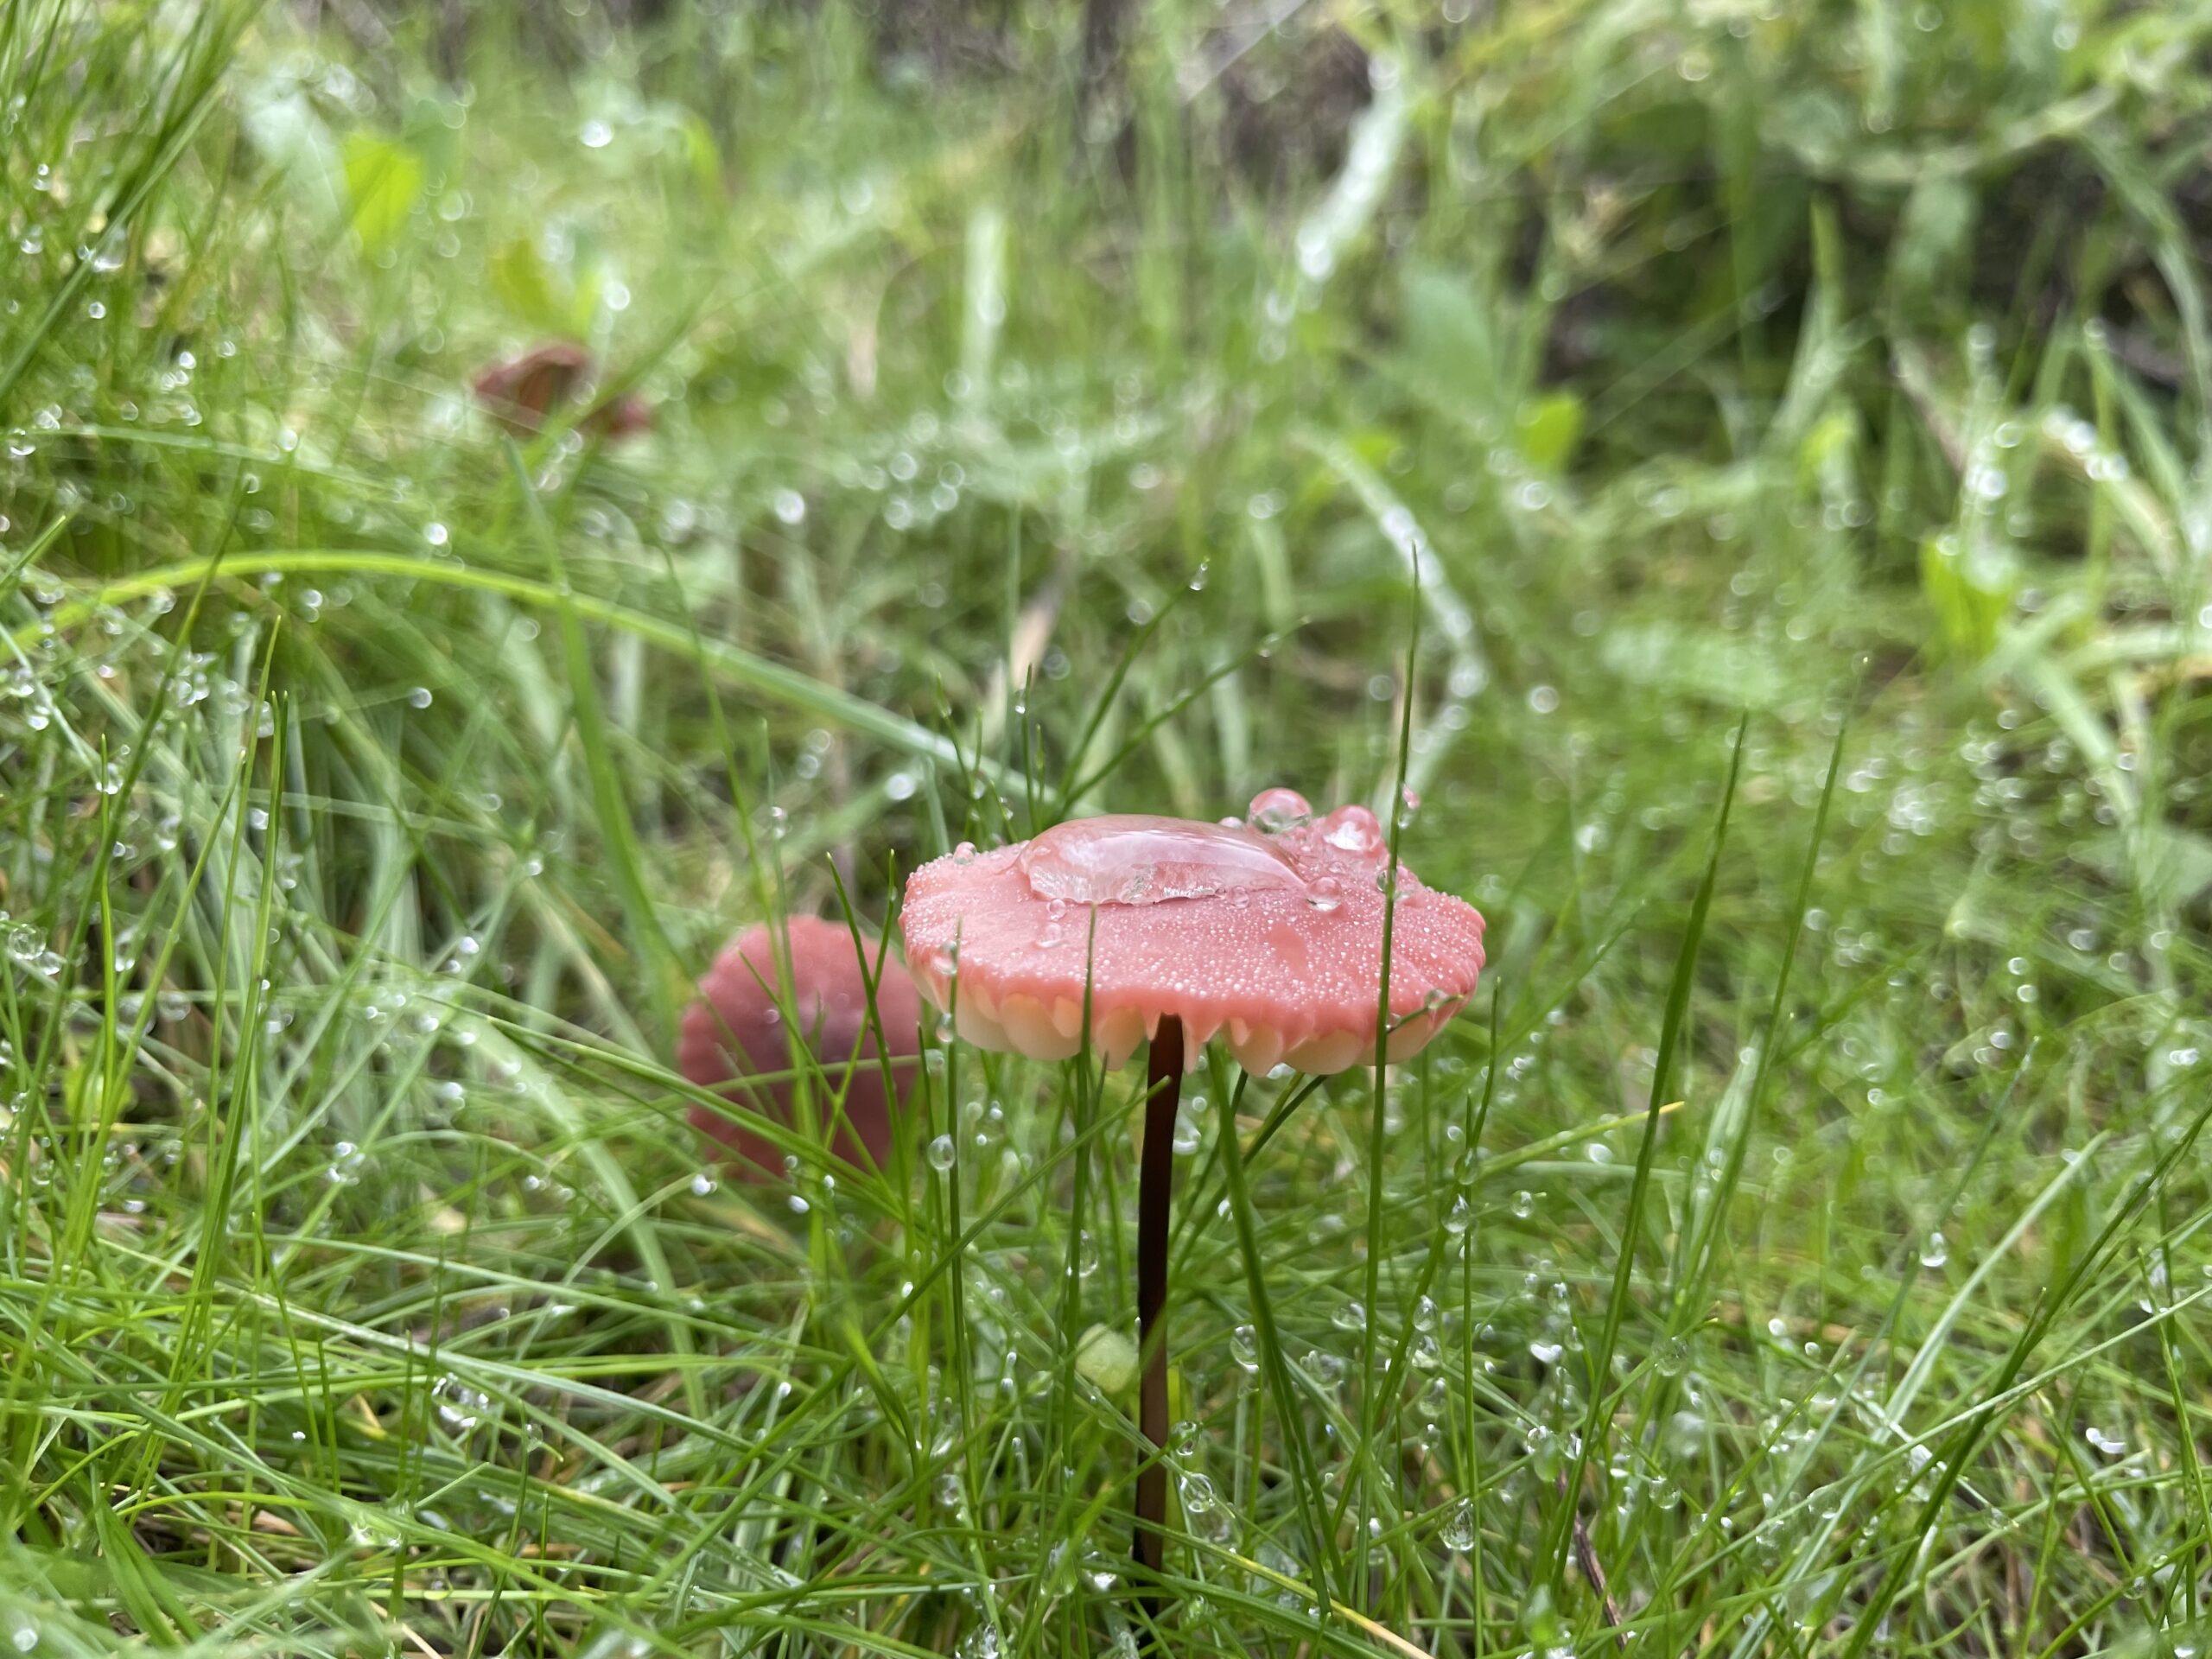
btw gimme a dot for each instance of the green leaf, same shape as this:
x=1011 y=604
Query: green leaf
x=702 y=154
x=1108 y=1359
x=1547 y=428
x=583 y=302
x=525 y=287
x=1451 y=352
x=383 y=181
x=1828 y=444
x=2168 y=860
x=1934 y=235
x=1969 y=594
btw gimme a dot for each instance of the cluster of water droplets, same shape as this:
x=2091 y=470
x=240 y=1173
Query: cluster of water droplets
x=460 y=1407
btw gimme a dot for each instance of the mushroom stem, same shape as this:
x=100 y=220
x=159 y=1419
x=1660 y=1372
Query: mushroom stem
x=1156 y=1180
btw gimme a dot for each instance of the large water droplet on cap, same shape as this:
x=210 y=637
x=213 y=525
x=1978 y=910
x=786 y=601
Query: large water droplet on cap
x=1277 y=809
x=1133 y=859
x=1353 y=829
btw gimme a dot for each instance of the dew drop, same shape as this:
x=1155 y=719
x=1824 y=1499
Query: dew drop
x=1273 y=810
x=1244 y=1347
x=1353 y=829
x=1323 y=1366
x=1458 y=1533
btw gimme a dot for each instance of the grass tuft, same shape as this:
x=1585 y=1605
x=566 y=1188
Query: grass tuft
x=1792 y=420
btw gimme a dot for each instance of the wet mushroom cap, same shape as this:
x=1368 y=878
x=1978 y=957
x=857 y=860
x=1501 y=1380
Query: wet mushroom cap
x=522 y=392
x=1269 y=934
x=736 y=1031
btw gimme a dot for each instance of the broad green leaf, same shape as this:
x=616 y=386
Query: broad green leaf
x=383 y=181
x=2168 y=860
x=1108 y=1359
x=1548 y=428
x=1832 y=436
x=1451 y=353
x=583 y=301
x=1934 y=234
x=1969 y=592
x=703 y=156
x=525 y=287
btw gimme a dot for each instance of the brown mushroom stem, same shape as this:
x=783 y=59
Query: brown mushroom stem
x=1156 y=1180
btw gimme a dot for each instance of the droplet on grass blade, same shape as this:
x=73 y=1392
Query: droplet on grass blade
x=1458 y=1531
x=1244 y=1347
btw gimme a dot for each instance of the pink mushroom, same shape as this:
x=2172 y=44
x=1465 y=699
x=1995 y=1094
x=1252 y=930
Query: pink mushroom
x=1269 y=934
x=523 y=391
x=736 y=1031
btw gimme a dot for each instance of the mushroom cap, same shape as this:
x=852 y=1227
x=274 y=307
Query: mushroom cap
x=522 y=392
x=735 y=1030
x=1269 y=934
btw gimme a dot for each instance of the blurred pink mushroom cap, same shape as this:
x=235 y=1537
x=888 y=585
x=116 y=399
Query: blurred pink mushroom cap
x=1267 y=933
x=735 y=1030
x=523 y=392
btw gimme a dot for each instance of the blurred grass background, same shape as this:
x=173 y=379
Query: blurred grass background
x=373 y=782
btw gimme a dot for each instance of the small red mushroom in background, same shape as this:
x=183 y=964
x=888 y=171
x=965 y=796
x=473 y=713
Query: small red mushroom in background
x=523 y=391
x=735 y=1030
